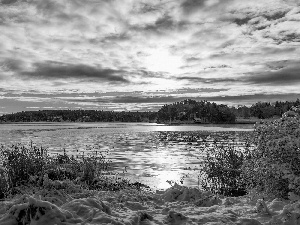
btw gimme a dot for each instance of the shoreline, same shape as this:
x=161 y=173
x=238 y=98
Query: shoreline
x=116 y=122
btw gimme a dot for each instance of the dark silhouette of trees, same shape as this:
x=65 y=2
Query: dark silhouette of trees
x=78 y=116
x=185 y=111
x=189 y=110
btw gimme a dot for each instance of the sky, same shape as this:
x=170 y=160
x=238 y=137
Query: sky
x=137 y=55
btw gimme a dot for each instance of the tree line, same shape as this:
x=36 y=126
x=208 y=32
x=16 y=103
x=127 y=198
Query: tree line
x=179 y=112
x=265 y=110
x=78 y=116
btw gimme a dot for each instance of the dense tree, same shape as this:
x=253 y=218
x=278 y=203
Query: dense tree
x=264 y=110
x=78 y=116
x=188 y=110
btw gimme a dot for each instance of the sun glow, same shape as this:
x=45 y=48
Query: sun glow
x=160 y=60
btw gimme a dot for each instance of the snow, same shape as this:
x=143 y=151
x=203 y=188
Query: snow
x=177 y=205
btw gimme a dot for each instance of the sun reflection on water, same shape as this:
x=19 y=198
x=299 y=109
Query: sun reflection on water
x=167 y=178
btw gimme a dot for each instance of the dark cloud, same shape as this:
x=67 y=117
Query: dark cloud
x=275 y=15
x=171 y=99
x=284 y=37
x=192 y=59
x=188 y=91
x=241 y=21
x=11 y=65
x=147 y=8
x=281 y=75
x=189 y=6
x=254 y=17
x=110 y=38
x=164 y=22
x=117 y=37
x=8 y=2
x=267 y=21
x=150 y=74
x=233 y=55
x=131 y=99
x=223 y=66
x=50 y=7
x=227 y=44
x=161 y=25
x=137 y=99
x=276 y=50
x=207 y=80
x=26 y=94
x=100 y=95
x=59 y=11
x=53 y=70
x=255 y=98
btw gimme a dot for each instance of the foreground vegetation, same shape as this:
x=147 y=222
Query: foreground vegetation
x=30 y=166
x=271 y=168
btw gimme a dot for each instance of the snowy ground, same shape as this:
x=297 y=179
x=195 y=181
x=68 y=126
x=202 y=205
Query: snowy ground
x=65 y=203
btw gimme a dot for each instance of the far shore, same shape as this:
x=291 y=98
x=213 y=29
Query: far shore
x=251 y=120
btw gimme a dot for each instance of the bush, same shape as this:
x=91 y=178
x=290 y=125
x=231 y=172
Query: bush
x=221 y=171
x=28 y=165
x=4 y=187
x=273 y=167
x=87 y=167
x=21 y=162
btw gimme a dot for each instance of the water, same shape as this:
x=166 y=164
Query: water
x=149 y=153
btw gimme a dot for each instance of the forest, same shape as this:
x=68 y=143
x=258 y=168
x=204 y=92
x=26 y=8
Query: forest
x=187 y=111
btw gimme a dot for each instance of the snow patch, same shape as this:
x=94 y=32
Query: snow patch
x=177 y=205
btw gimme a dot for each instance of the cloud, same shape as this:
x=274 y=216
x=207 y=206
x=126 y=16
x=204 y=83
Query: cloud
x=147 y=8
x=129 y=99
x=222 y=66
x=193 y=59
x=276 y=21
x=55 y=70
x=187 y=91
x=161 y=26
x=8 y=2
x=254 y=14
x=208 y=80
x=11 y=65
x=282 y=34
x=62 y=94
x=253 y=98
x=283 y=73
x=276 y=50
x=250 y=99
x=189 y=6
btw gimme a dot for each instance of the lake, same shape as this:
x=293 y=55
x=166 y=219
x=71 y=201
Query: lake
x=146 y=152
